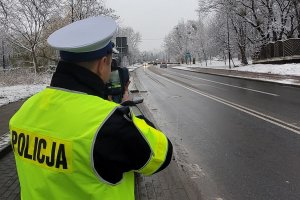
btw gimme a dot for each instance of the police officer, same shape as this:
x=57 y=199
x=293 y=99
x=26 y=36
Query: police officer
x=69 y=141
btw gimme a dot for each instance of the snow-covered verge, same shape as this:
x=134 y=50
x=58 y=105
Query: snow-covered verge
x=16 y=84
x=19 y=85
x=292 y=69
x=14 y=93
x=134 y=67
x=23 y=76
x=286 y=69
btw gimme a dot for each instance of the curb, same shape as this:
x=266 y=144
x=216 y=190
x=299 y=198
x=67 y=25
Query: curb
x=4 y=144
x=243 y=77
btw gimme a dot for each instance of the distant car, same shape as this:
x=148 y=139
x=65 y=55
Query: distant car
x=163 y=65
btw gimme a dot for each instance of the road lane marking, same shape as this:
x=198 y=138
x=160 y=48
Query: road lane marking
x=249 y=111
x=203 y=84
x=258 y=91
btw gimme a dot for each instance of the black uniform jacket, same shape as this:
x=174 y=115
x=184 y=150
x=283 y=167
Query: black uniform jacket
x=119 y=147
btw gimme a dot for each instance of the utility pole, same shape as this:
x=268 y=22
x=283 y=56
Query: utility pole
x=122 y=47
x=228 y=41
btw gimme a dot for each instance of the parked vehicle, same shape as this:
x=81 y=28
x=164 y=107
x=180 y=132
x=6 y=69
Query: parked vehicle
x=163 y=65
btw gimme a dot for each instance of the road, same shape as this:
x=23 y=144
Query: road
x=236 y=139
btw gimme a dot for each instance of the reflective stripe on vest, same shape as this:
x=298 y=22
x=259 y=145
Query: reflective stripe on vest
x=52 y=136
x=158 y=143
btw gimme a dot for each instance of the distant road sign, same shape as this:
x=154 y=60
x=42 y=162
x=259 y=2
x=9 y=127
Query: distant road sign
x=121 y=41
x=121 y=45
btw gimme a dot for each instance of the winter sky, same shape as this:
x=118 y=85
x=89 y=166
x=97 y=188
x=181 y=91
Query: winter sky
x=153 y=19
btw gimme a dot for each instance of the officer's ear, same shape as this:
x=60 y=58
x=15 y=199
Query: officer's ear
x=99 y=67
x=104 y=61
x=103 y=68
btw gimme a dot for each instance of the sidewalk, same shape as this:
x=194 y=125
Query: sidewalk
x=173 y=183
x=6 y=112
x=9 y=183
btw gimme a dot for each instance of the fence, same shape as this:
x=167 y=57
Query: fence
x=17 y=76
x=279 y=51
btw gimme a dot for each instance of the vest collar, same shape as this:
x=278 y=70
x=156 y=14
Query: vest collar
x=74 y=77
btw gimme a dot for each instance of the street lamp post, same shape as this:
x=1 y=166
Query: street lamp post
x=228 y=42
x=187 y=53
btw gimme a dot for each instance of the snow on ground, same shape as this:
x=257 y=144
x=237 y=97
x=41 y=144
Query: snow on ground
x=286 y=69
x=133 y=67
x=14 y=93
x=10 y=94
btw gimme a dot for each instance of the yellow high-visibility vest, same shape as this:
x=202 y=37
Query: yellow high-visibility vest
x=53 y=136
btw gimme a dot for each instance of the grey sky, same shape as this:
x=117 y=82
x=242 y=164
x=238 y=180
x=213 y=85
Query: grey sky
x=154 y=19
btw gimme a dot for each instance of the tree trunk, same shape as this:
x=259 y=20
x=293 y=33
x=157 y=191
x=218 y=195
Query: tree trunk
x=33 y=54
x=298 y=28
x=244 y=60
x=205 y=57
x=199 y=56
x=297 y=13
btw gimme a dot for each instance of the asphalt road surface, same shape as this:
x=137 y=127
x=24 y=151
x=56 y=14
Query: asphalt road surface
x=237 y=139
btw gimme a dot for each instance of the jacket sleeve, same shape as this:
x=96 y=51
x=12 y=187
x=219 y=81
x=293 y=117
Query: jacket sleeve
x=120 y=147
x=157 y=142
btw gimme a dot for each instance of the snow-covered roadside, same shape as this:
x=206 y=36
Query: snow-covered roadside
x=292 y=69
x=14 y=93
x=10 y=94
x=133 y=67
x=287 y=69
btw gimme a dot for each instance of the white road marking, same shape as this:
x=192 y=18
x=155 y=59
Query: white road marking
x=258 y=91
x=249 y=111
x=203 y=84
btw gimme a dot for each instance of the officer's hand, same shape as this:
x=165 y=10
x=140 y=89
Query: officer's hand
x=126 y=96
x=127 y=85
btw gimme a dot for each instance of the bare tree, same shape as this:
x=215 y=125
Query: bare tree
x=133 y=40
x=24 y=21
x=217 y=37
x=269 y=20
x=295 y=21
x=230 y=30
x=281 y=28
x=5 y=49
x=44 y=51
x=273 y=19
x=174 y=42
x=81 y=9
x=28 y=23
x=197 y=32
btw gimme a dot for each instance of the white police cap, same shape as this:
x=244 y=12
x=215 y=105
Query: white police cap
x=84 y=40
